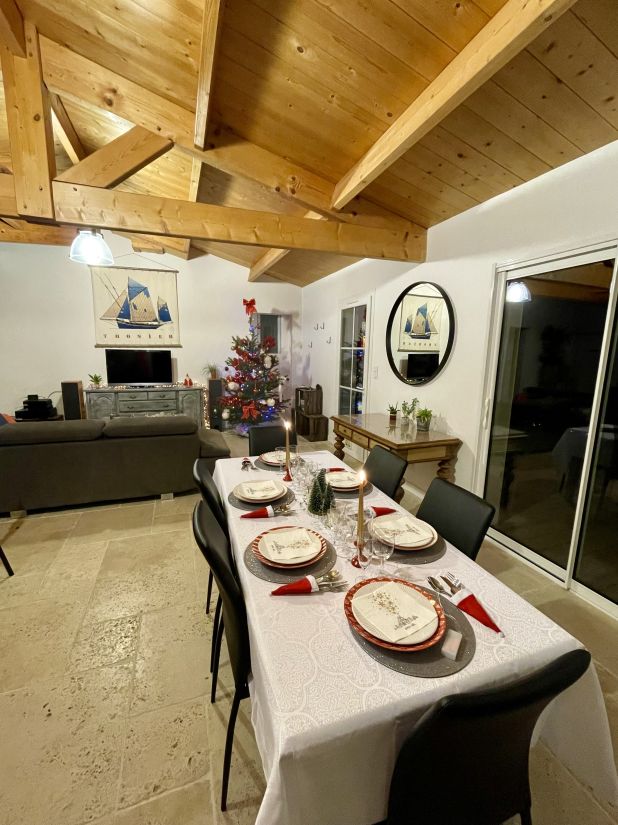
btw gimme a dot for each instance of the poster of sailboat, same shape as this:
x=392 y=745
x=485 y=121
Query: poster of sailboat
x=135 y=307
x=421 y=319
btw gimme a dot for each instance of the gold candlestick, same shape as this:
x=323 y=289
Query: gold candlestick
x=288 y=475
x=360 y=528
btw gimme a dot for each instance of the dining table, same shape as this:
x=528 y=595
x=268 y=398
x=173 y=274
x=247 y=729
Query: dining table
x=329 y=719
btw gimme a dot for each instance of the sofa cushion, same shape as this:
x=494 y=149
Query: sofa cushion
x=49 y=432
x=145 y=425
x=212 y=444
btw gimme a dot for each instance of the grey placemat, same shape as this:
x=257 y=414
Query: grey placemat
x=427 y=556
x=353 y=494
x=261 y=465
x=245 y=505
x=429 y=663
x=279 y=576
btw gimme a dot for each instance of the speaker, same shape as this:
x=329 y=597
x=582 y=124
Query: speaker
x=73 y=400
x=215 y=391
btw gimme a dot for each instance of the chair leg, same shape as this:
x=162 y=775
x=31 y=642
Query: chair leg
x=215 y=629
x=209 y=592
x=215 y=669
x=526 y=817
x=229 y=740
x=5 y=562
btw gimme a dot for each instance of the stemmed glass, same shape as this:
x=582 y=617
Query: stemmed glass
x=364 y=554
x=383 y=550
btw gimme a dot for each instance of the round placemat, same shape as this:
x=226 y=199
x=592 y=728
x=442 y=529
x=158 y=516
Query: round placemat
x=426 y=556
x=262 y=465
x=288 y=498
x=279 y=576
x=430 y=663
x=353 y=494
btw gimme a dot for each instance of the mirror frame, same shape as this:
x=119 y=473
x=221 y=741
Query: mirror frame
x=451 y=336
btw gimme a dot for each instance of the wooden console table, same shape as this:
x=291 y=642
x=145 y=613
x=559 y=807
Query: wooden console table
x=415 y=447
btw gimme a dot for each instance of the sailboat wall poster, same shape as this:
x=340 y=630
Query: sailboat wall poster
x=421 y=321
x=135 y=307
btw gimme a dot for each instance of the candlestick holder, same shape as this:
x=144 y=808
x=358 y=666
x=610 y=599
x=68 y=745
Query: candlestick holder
x=288 y=474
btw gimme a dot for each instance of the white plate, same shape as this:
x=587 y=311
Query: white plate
x=316 y=546
x=249 y=491
x=275 y=457
x=414 y=638
x=380 y=522
x=343 y=480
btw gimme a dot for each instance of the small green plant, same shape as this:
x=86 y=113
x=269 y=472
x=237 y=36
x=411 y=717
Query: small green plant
x=423 y=418
x=393 y=409
x=95 y=379
x=407 y=410
x=210 y=370
x=321 y=497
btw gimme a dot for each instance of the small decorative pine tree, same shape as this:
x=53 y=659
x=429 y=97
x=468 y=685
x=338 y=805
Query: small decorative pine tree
x=252 y=377
x=321 y=496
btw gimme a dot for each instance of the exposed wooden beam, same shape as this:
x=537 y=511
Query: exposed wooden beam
x=65 y=131
x=514 y=26
x=119 y=159
x=8 y=202
x=194 y=187
x=12 y=28
x=29 y=125
x=157 y=244
x=211 y=26
x=111 y=209
x=24 y=232
x=260 y=267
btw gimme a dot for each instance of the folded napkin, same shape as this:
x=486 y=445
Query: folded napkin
x=263 y=512
x=393 y=612
x=406 y=529
x=298 y=588
x=379 y=511
x=467 y=601
x=287 y=545
x=336 y=470
x=347 y=479
x=263 y=489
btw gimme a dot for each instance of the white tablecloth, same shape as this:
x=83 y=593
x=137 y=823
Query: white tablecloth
x=329 y=720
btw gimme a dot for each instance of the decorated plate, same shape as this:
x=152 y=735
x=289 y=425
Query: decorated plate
x=261 y=491
x=406 y=645
x=343 y=480
x=275 y=458
x=271 y=551
x=413 y=533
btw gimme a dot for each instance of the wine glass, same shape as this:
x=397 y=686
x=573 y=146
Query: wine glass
x=280 y=453
x=383 y=550
x=364 y=554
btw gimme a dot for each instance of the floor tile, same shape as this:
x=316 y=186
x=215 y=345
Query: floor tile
x=173 y=661
x=115 y=523
x=165 y=749
x=191 y=805
x=74 y=570
x=20 y=589
x=61 y=748
x=32 y=544
x=105 y=643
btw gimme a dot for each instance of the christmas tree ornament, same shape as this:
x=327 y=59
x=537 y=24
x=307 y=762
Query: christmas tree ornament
x=233 y=386
x=270 y=402
x=225 y=415
x=268 y=362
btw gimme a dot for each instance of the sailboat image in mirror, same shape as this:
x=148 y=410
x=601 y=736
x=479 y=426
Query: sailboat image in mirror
x=132 y=312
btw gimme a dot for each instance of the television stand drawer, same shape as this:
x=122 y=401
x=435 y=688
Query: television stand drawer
x=146 y=406
x=133 y=395
x=162 y=395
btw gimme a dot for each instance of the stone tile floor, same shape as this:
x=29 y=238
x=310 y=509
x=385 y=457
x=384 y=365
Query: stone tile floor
x=104 y=679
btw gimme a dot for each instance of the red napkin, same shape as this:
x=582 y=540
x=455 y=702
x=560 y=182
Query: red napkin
x=298 y=588
x=379 y=511
x=263 y=512
x=467 y=601
x=336 y=470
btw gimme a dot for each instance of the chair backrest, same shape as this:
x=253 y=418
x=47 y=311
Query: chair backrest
x=458 y=515
x=209 y=491
x=214 y=545
x=385 y=470
x=266 y=437
x=466 y=760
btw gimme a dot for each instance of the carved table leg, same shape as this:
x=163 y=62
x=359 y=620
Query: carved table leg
x=446 y=468
x=339 y=452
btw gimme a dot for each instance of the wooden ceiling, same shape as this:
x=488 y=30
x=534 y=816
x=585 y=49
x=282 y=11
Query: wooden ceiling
x=299 y=91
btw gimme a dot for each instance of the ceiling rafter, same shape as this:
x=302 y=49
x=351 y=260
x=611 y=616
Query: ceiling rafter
x=12 y=33
x=65 y=131
x=211 y=27
x=266 y=261
x=513 y=27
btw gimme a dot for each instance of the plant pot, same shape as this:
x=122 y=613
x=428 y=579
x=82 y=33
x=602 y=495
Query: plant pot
x=392 y=419
x=213 y=375
x=423 y=425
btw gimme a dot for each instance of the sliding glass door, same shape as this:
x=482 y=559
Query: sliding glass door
x=551 y=469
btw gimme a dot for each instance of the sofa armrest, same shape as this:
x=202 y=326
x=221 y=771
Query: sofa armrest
x=212 y=444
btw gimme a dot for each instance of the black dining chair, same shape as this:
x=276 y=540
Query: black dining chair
x=215 y=548
x=210 y=494
x=266 y=437
x=477 y=746
x=385 y=470
x=457 y=514
x=5 y=562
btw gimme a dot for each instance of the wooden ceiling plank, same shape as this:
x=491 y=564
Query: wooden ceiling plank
x=65 y=131
x=119 y=159
x=8 y=200
x=260 y=267
x=24 y=232
x=211 y=26
x=12 y=28
x=112 y=209
x=512 y=28
x=601 y=17
x=29 y=124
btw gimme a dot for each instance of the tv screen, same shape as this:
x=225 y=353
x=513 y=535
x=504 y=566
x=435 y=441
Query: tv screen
x=422 y=365
x=138 y=366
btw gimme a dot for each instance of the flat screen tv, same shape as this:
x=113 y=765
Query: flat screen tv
x=422 y=365
x=138 y=366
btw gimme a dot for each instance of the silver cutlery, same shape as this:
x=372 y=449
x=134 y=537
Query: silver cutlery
x=437 y=586
x=452 y=583
x=329 y=577
x=331 y=587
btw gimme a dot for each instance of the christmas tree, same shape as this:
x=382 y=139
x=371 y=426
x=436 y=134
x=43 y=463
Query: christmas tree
x=252 y=378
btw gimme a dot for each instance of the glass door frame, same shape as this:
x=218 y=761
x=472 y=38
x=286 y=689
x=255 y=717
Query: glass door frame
x=518 y=270
x=366 y=301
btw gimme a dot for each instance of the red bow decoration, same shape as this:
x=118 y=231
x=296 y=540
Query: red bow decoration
x=249 y=306
x=250 y=411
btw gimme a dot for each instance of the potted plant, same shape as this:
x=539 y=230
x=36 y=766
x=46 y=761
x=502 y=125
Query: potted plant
x=95 y=380
x=423 y=419
x=210 y=370
x=392 y=413
x=407 y=410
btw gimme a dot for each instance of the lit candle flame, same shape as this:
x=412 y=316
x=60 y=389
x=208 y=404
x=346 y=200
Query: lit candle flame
x=362 y=477
x=287 y=425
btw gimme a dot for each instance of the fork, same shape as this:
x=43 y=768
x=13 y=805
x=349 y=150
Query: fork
x=454 y=584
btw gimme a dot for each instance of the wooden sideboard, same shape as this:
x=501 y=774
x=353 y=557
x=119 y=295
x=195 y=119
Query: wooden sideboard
x=109 y=402
x=405 y=441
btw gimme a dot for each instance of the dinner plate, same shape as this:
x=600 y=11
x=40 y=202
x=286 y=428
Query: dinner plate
x=311 y=557
x=422 y=544
x=275 y=458
x=343 y=480
x=406 y=645
x=243 y=491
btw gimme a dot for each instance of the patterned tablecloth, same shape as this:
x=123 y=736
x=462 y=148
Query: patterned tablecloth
x=329 y=720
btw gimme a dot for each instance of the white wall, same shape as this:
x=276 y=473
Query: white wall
x=568 y=207
x=46 y=316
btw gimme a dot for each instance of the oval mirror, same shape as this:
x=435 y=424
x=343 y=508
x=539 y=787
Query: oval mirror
x=419 y=334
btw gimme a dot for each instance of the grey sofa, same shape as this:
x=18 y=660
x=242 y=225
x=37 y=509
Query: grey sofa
x=61 y=463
